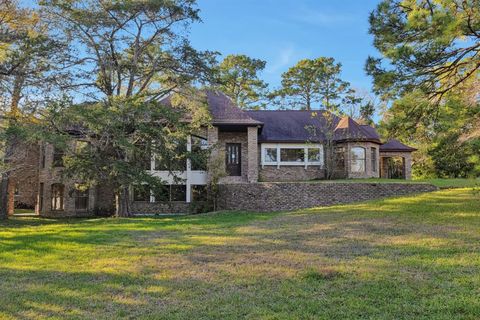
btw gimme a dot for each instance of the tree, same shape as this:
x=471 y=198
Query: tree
x=447 y=145
x=433 y=46
x=130 y=55
x=312 y=81
x=238 y=77
x=31 y=68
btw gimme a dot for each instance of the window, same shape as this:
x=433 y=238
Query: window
x=40 y=197
x=141 y=193
x=292 y=155
x=42 y=160
x=199 y=193
x=178 y=193
x=340 y=158
x=162 y=193
x=357 y=160
x=170 y=193
x=81 y=199
x=58 y=191
x=172 y=159
x=314 y=155
x=199 y=153
x=270 y=155
x=58 y=157
x=289 y=154
x=374 y=159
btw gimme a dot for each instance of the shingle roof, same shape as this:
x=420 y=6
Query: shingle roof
x=300 y=126
x=223 y=110
x=395 y=145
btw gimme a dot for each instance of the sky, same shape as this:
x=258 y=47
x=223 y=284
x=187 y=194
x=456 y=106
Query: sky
x=282 y=32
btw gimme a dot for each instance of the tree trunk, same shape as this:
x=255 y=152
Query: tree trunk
x=4 y=196
x=122 y=205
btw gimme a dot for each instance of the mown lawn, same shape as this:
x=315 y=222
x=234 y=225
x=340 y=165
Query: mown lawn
x=439 y=182
x=407 y=258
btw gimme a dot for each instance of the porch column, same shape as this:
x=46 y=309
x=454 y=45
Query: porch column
x=252 y=165
x=212 y=140
x=407 y=162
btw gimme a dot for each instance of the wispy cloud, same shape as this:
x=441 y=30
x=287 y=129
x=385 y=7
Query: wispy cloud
x=323 y=18
x=284 y=59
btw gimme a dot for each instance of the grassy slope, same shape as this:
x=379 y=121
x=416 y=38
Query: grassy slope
x=412 y=257
x=441 y=183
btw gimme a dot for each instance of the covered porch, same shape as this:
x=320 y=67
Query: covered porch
x=396 y=160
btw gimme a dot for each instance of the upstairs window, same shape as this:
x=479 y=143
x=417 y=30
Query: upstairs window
x=199 y=153
x=58 y=157
x=357 y=160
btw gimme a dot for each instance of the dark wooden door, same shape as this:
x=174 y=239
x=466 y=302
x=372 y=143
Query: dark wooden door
x=233 y=161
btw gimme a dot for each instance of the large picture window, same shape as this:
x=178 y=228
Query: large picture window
x=289 y=154
x=292 y=155
x=58 y=191
x=357 y=160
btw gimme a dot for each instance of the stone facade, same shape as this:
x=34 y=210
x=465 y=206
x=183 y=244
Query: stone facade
x=23 y=182
x=263 y=197
x=100 y=199
x=144 y=207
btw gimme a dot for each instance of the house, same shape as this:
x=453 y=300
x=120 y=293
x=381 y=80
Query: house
x=257 y=146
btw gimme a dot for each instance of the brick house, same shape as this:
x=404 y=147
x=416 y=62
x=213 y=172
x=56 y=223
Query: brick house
x=258 y=146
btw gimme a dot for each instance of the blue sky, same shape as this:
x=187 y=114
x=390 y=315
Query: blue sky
x=282 y=32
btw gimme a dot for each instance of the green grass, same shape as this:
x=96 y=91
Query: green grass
x=404 y=258
x=441 y=183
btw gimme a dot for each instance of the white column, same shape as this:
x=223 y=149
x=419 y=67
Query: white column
x=189 y=171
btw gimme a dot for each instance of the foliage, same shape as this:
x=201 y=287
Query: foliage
x=310 y=82
x=238 y=77
x=432 y=46
x=443 y=135
x=130 y=55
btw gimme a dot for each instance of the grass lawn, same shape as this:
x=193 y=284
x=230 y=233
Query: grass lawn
x=406 y=258
x=441 y=183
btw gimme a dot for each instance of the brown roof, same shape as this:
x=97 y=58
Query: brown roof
x=223 y=110
x=395 y=145
x=301 y=126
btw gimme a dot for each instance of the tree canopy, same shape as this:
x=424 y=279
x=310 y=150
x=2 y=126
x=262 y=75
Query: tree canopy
x=238 y=77
x=428 y=45
x=310 y=82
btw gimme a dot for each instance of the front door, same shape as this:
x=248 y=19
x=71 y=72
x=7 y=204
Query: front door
x=233 y=161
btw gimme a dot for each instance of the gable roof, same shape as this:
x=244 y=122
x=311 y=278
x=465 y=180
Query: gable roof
x=222 y=110
x=395 y=145
x=301 y=126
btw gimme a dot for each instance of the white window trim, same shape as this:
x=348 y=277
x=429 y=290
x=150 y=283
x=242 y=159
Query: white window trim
x=304 y=146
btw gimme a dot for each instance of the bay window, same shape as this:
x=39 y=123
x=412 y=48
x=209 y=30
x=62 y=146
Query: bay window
x=357 y=160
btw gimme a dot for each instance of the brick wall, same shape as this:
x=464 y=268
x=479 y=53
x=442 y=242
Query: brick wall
x=290 y=173
x=144 y=207
x=292 y=196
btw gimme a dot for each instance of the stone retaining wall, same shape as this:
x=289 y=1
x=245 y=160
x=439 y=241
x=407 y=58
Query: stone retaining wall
x=292 y=196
